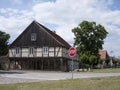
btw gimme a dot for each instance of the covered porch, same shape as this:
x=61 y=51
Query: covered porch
x=51 y=64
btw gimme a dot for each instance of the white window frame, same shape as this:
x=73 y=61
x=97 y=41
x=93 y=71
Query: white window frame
x=33 y=36
x=31 y=50
x=45 y=50
x=17 y=50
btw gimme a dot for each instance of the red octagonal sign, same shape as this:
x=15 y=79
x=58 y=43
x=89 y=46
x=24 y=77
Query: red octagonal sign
x=72 y=52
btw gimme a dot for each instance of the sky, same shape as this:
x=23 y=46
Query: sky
x=62 y=16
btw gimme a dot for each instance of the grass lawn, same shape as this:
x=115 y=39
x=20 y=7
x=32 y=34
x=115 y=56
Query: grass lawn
x=107 y=70
x=107 y=83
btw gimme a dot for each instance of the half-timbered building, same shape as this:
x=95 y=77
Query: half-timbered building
x=38 y=48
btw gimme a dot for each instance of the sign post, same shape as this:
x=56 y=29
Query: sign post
x=72 y=53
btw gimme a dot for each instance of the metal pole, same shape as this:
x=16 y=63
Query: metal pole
x=72 y=68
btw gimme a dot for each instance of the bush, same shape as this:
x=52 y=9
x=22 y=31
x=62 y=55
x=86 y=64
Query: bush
x=84 y=59
x=107 y=61
x=93 y=60
x=100 y=61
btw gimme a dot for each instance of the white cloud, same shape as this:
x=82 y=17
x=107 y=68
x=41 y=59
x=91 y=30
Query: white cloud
x=65 y=15
x=14 y=21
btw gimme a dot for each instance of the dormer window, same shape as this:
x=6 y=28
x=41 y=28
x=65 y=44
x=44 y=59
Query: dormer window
x=33 y=37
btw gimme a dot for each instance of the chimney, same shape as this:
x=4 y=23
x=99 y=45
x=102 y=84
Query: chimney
x=54 y=31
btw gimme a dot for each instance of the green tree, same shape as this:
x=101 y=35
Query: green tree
x=100 y=61
x=84 y=60
x=89 y=37
x=107 y=61
x=115 y=63
x=4 y=37
x=93 y=60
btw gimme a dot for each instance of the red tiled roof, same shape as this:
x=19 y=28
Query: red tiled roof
x=118 y=59
x=103 y=54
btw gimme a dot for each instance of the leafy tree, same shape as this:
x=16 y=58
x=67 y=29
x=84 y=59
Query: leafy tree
x=89 y=37
x=118 y=62
x=93 y=60
x=115 y=62
x=107 y=61
x=100 y=61
x=84 y=60
x=4 y=37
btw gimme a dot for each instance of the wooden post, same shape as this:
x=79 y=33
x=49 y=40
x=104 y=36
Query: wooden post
x=54 y=51
x=8 y=64
x=61 y=64
x=36 y=65
x=54 y=64
x=48 y=64
x=28 y=64
x=42 y=65
x=15 y=64
x=21 y=64
x=32 y=65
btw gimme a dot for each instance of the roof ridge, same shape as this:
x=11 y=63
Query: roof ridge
x=51 y=33
x=55 y=36
x=45 y=30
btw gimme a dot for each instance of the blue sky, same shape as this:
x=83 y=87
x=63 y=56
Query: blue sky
x=21 y=4
x=62 y=16
x=115 y=5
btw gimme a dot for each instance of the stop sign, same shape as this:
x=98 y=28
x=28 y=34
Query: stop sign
x=72 y=52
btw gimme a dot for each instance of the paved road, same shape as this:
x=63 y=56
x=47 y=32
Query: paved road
x=41 y=76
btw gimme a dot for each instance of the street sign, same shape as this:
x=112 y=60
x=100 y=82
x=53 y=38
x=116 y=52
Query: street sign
x=72 y=51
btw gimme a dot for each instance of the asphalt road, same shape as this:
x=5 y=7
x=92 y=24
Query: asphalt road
x=41 y=76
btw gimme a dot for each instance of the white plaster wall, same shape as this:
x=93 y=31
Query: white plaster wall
x=25 y=52
x=39 y=52
x=51 y=51
x=65 y=53
x=51 y=48
x=12 y=52
x=58 y=51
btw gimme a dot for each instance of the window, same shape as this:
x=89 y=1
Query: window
x=33 y=37
x=17 y=50
x=31 y=50
x=45 y=50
